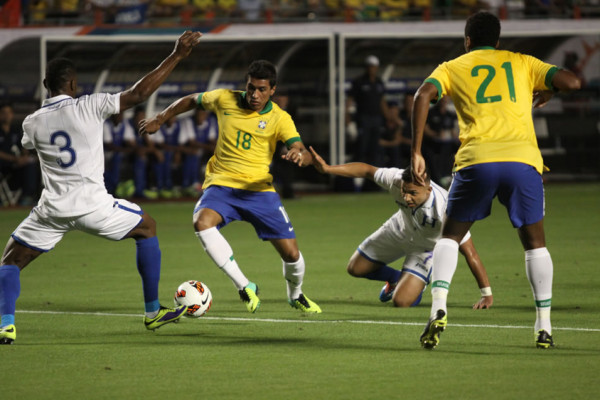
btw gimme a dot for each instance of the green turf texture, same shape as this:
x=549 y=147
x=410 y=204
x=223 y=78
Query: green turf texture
x=96 y=346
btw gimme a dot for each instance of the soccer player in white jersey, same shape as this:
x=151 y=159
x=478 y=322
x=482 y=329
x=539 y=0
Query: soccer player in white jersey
x=412 y=233
x=67 y=135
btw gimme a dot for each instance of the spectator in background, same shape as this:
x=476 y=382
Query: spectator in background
x=144 y=149
x=119 y=141
x=15 y=161
x=368 y=94
x=392 y=138
x=170 y=138
x=281 y=169
x=198 y=149
x=441 y=139
x=406 y=118
x=123 y=12
x=251 y=10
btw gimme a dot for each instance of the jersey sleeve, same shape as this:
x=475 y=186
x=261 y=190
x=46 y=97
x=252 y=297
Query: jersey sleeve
x=540 y=73
x=26 y=140
x=210 y=100
x=287 y=132
x=386 y=177
x=107 y=104
x=440 y=79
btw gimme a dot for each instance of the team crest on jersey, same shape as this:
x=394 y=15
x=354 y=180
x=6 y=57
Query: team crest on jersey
x=262 y=124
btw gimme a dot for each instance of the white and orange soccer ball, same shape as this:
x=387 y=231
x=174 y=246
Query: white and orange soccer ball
x=196 y=296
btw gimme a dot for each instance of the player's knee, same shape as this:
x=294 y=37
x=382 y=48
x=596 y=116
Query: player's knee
x=290 y=255
x=402 y=302
x=352 y=271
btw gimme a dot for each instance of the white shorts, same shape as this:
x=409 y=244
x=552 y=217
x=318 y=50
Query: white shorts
x=385 y=245
x=42 y=233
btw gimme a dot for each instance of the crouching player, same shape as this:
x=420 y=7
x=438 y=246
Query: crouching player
x=410 y=233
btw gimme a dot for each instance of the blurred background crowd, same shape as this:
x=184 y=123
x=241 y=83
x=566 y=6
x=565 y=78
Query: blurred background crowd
x=157 y=12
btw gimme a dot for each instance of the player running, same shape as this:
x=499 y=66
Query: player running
x=238 y=185
x=493 y=91
x=410 y=233
x=67 y=135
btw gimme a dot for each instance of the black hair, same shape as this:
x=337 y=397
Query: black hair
x=58 y=72
x=407 y=175
x=263 y=69
x=483 y=28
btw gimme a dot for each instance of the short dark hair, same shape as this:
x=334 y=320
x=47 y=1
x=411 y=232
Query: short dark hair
x=58 y=72
x=263 y=69
x=483 y=28
x=407 y=175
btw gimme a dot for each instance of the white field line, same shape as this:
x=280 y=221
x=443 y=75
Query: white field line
x=308 y=321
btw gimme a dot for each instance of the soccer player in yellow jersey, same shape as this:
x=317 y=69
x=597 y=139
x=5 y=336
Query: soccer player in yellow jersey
x=238 y=185
x=493 y=91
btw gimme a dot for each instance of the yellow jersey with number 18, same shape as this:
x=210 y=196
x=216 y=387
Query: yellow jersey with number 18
x=247 y=140
x=492 y=91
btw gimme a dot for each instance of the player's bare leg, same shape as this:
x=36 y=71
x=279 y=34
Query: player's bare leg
x=539 y=268
x=293 y=272
x=408 y=290
x=361 y=267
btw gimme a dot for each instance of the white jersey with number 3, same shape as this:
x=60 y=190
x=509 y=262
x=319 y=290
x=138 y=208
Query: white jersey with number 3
x=67 y=134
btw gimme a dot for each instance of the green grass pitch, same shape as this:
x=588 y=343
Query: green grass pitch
x=80 y=331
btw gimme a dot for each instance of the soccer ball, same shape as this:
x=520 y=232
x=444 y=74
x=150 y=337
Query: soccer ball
x=196 y=296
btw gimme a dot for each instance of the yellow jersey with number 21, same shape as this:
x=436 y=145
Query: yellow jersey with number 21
x=247 y=140
x=492 y=91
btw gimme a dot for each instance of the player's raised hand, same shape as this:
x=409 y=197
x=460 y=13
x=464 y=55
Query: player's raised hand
x=185 y=43
x=149 y=126
x=318 y=162
x=417 y=163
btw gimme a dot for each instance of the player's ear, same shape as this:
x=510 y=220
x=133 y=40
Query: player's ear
x=45 y=84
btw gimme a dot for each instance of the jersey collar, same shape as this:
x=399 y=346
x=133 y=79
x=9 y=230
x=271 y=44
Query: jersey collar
x=244 y=104
x=483 y=48
x=56 y=99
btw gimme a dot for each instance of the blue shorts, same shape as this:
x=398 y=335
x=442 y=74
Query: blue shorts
x=262 y=209
x=519 y=188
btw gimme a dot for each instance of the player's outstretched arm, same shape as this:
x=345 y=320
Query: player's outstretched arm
x=468 y=250
x=151 y=125
x=350 y=170
x=425 y=94
x=143 y=88
x=563 y=81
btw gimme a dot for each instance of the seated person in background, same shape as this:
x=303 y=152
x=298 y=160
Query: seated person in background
x=15 y=161
x=198 y=149
x=119 y=141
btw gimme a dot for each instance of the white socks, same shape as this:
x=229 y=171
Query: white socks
x=445 y=259
x=539 y=268
x=294 y=274
x=219 y=250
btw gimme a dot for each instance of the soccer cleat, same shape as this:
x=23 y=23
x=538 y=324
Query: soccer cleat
x=8 y=334
x=305 y=304
x=249 y=296
x=165 y=316
x=431 y=334
x=387 y=291
x=543 y=340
